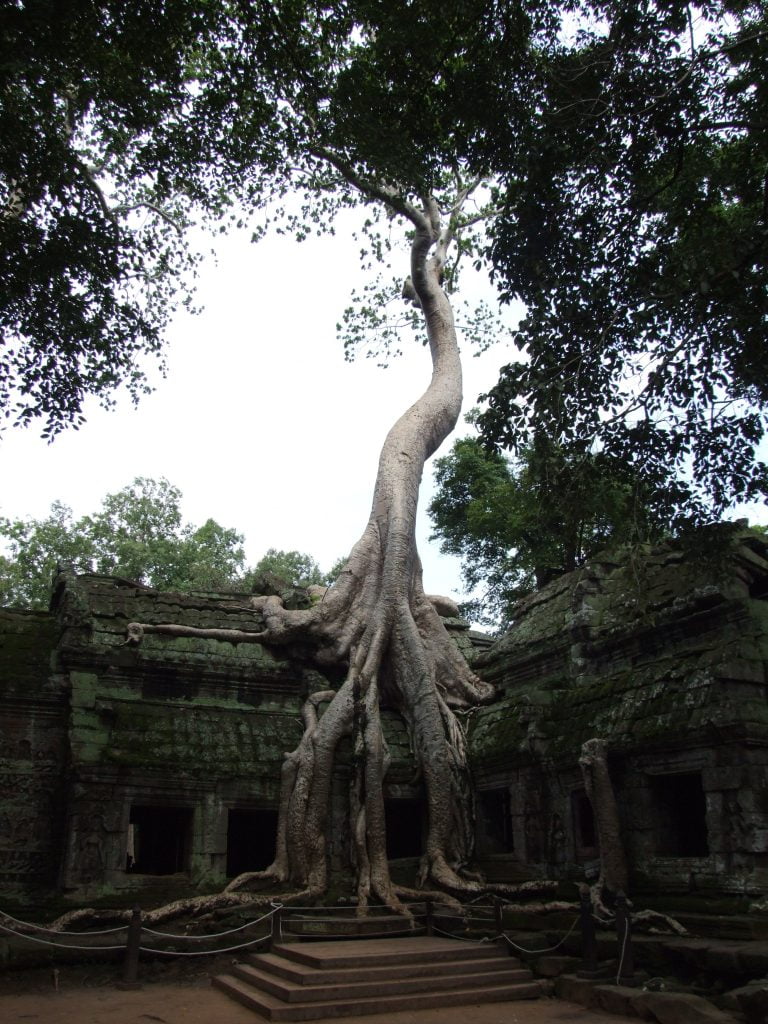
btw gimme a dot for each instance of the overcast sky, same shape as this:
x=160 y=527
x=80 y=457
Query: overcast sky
x=260 y=421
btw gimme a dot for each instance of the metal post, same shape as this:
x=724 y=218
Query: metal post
x=589 y=968
x=132 y=944
x=276 y=932
x=429 y=917
x=626 y=956
x=498 y=915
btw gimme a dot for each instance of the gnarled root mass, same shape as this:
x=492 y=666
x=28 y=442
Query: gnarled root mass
x=398 y=654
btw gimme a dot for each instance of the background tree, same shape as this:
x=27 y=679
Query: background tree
x=138 y=533
x=295 y=567
x=633 y=212
x=518 y=523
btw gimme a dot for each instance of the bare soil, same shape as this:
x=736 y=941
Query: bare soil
x=183 y=995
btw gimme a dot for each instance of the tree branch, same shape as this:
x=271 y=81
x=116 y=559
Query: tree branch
x=149 y=205
x=386 y=195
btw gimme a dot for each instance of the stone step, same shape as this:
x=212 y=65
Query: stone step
x=271 y=1008
x=381 y=952
x=291 y=992
x=342 y=978
x=303 y=974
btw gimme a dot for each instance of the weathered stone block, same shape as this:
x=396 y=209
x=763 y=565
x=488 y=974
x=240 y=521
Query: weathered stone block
x=554 y=966
x=615 y=999
x=575 y=990
x=678 y=1008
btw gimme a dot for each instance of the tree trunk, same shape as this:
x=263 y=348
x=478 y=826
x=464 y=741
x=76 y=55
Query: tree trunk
x=378 y=621
x=597 y=780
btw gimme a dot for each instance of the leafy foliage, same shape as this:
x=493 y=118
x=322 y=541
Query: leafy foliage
x=633 y=213
x=92 y=250
x=138 y=533
x=622 y=149
x=295 y=567
x=120 y=123
x=516 y=524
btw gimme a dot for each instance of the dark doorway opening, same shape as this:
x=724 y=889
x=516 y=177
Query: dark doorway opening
x=584 y=831
x=681 y=809
x=404 y=820
x=159 y=840
x=495 y=822
x=250 y=840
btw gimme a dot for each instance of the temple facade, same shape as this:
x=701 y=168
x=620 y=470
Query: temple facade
x=146 y=771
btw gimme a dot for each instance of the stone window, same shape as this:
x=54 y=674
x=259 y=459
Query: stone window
x=681 y=819
x=495 y=821
x=404 y=820
x=584 y=831
x=250 y=840
x=159 y=840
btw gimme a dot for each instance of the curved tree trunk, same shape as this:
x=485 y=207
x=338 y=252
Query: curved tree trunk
x=378 y=621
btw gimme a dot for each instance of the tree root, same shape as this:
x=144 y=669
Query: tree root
x=659 y=924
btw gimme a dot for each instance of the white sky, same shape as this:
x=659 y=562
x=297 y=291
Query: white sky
x=260 y=422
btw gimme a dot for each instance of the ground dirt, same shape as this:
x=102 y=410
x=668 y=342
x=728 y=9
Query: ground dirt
x=172 y=995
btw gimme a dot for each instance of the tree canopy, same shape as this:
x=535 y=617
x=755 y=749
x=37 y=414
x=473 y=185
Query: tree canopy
x=92 y=215
x=624 y=152
x=632 y=223
x=138 y=533
x=581 y=135
x=518 y=523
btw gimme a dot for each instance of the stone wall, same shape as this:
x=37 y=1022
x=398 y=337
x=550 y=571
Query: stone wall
x=664 y=657
x=33 y=754
x=151 y=770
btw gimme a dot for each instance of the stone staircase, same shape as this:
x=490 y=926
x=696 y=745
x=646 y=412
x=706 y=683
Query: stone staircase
x=298 y=981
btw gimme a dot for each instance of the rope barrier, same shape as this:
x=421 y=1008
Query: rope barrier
x=549 y=949
x=275 y=909
x=212 y=935
x=623 y=951
x=56 y=931
x=347 y=935
x=60 y=945
x=151 y=931
x=462 y=938
x=201 y=952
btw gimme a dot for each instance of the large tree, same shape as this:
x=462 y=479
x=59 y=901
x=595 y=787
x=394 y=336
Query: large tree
x=430 y=117
x=633 y=215
x=138 y=532
x=321 y=71
x=518 y=523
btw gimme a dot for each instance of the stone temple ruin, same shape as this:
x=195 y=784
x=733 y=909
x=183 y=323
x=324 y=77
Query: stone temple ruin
x=149 y=772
